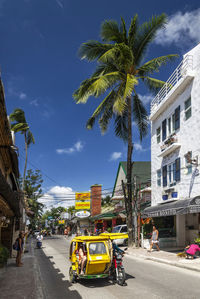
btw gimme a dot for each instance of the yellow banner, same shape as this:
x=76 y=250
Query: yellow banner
x=61 y=221
x=83 y=196
x=82 y=205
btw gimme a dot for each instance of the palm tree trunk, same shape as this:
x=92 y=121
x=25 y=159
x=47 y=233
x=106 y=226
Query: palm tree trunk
x=129 y=175
x=25 y=165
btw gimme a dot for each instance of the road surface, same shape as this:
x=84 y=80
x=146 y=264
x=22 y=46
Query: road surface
x=145 y=279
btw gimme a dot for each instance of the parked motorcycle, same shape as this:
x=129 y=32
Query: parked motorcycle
x=117 y=270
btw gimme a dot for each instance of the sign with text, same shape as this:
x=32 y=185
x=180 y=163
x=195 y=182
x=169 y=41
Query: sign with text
x=83 y=196
x=61 y=221
x=82 y=205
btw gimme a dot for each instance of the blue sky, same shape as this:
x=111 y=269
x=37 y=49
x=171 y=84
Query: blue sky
x=40 y=70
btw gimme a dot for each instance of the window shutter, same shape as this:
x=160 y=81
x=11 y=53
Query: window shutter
x=177 y=118
x=164 y=173
x=164 y=126
x=178 y=169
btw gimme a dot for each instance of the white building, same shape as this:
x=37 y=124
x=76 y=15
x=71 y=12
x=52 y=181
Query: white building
x=175 y=150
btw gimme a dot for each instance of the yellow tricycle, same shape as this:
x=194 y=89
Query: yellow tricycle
x=91 y=256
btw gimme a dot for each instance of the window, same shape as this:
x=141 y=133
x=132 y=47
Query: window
x=164 y=127
x=123 y=229
x=164 y=173
x=158 y=135
x=169 y=126
x=178 y=170
x=188 y=109
x=171 y=174
x=177 y=118
x=97 y=248
x=159 y=177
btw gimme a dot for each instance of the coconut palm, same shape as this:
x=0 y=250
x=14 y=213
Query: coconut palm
x=120 y=68
x=20 y=125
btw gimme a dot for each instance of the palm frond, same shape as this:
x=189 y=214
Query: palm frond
x=146 y=33
x=153 y=84
x=18 y=115
x=100 y=109
x=110 y=32
x=19 y=127
x=124 y=31
x=82 y=94
x=131 y=81
x=30 y=138
x=92 y=50
x=121 y=124
x=104 y=68
x=106 y=117
x=140 y=116
x=102 y=83
x=154 y=65
x=120 y=104
x=132 y=30
x=120 y=54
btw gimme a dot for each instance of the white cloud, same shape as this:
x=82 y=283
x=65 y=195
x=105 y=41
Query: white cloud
x=60 y=3
x=182 y=28
x=115 y=156
x=145 y=98
x=58 y=196
x=138 y=147
x=34 y=103
x=77 y=147
x=22 y=96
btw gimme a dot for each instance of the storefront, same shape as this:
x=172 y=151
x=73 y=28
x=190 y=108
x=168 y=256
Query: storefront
x=185 y=226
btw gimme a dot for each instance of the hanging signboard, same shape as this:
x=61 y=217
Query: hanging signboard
x=82 y=205
x=82 y=196
x=82 y=214
x=61 y=221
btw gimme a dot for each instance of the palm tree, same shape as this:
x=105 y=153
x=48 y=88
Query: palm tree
x=20 y=125
x=120 y=68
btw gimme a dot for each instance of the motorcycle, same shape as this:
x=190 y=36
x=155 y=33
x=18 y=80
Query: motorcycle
x=117 y=270
x=39 y=244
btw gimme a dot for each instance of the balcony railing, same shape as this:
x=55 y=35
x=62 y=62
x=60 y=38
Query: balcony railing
x=179 y=73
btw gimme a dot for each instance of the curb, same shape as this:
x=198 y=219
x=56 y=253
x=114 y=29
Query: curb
x=161 y=261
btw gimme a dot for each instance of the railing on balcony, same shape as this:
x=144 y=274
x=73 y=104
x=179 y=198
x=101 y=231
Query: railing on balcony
x=179 y=73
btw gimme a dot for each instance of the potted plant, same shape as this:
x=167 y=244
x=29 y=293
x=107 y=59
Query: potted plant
x=4 y=255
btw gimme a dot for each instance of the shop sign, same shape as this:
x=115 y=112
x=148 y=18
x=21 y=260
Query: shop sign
x=82 y=214
x=61 y=221
x=82 y=196
x=82 y=205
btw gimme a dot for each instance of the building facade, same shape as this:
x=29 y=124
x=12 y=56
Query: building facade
x=175 y=149
x=11 y=203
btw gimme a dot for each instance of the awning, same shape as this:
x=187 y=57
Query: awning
x=179 y=207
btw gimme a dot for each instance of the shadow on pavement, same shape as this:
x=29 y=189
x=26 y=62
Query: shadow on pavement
x=54 y=283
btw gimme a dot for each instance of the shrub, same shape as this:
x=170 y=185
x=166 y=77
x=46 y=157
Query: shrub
x=4 y=254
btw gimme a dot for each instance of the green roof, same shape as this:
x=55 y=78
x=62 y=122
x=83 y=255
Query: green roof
x=140 y=169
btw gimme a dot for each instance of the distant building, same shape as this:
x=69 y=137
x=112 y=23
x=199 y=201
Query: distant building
x=175 y=151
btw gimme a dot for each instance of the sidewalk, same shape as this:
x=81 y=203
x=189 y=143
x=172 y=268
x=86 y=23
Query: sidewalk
x=165 y=257
x=20 y=282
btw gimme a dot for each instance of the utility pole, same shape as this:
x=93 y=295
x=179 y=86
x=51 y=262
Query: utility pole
x=139 y=214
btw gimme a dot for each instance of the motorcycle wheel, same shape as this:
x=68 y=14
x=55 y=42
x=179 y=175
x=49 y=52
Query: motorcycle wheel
x=72 y=275
x=121 y=277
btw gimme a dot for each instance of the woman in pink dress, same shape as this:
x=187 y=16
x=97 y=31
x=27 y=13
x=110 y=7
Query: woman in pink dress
x=191 y=250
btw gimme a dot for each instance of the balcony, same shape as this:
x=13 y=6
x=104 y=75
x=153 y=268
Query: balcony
x=176 y=83
x=169 y=145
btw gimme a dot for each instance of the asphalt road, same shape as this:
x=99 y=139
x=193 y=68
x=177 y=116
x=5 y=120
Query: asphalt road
x=145 y=279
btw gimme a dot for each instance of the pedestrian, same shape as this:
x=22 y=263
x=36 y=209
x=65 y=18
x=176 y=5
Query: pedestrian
x=20 y=246
x=154 y=239
x=191 y=250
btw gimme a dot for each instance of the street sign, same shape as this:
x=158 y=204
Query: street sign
x=61 y=221
x=82 y=196
x=82 y=205
x=82 y=214
x=49 y=217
